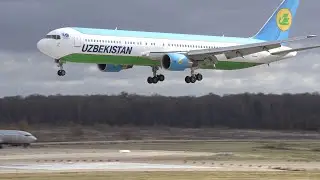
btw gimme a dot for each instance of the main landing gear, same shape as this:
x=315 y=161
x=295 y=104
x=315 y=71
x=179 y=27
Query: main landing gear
x=156 y=78
x=60 y=72
x=194 y=77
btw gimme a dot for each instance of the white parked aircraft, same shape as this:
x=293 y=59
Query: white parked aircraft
x=16 y=138
x=116 y=50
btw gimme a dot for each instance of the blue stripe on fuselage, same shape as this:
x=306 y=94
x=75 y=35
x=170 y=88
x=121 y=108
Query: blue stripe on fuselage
x=171 y=36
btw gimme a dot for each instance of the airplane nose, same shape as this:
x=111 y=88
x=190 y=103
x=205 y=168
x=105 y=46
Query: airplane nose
x=41 y=46
x=34 y=138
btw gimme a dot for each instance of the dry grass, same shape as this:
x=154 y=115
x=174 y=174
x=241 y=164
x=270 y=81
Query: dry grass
x=166 y=176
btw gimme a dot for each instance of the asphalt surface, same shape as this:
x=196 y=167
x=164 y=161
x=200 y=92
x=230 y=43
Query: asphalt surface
x=20 y=160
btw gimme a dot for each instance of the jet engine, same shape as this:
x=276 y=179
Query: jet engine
x=113 y=67
x=175 y=62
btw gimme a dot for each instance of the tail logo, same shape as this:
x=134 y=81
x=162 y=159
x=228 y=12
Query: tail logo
x=284 y=19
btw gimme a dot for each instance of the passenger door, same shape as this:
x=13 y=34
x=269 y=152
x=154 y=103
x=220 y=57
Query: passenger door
x=77 y=41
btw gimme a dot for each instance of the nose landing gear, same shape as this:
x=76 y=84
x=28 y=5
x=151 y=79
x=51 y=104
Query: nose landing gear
x=60 y=72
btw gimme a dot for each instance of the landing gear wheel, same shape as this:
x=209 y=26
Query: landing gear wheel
x=155 y=80
x=149 y=80
x=61 y=72
x=160 y=77
x=199 y=77
x=193 y=79
x=26 y=145
x=187 y=79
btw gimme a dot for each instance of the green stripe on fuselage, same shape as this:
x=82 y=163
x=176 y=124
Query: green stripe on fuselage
x=108 y=59
x=143 y=61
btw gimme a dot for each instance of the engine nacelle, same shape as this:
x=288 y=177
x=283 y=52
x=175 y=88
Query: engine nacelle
x=175 y=62
x=113 y=67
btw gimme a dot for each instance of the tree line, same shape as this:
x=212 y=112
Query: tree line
x=256 y=111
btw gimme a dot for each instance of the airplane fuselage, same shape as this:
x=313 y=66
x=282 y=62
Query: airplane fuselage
x=16 y=138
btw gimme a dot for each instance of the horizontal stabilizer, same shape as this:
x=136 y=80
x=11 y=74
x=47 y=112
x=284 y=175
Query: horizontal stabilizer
x=295 y=50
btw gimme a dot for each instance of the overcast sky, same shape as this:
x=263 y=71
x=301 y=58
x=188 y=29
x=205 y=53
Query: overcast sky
x=25 y=71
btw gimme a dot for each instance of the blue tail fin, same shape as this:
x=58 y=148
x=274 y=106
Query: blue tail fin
x=279 y=24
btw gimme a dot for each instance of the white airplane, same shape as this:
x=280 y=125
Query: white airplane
x=16 y=138
x=116 y=50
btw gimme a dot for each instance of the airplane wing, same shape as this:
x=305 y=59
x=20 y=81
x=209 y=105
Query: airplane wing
x=293 y=50
x=242 y=50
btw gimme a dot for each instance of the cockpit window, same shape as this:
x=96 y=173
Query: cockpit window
x=53 y=37
x=27 y=135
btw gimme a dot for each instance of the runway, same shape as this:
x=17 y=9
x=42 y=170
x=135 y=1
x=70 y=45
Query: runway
x=95 y=166
x=89 y=159
x=17 y=160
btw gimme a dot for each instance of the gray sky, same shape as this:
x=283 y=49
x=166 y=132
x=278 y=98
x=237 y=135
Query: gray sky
x=25 y=71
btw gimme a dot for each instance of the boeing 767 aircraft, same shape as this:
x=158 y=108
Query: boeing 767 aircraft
x=116 y=50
